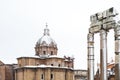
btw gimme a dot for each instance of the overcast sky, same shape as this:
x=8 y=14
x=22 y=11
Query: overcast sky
x=22 y=23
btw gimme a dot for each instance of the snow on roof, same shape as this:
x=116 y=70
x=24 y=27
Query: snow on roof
x=45 y=66
x=55 y=56
x=1 y=63
x=28 y=57
x=42 y=57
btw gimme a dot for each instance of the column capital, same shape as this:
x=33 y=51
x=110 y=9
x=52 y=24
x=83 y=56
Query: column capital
x=90 y=37
x=117 y=32
x=103 y=31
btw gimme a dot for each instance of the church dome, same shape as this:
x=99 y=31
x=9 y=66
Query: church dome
x=46 y=39
x=46 y=45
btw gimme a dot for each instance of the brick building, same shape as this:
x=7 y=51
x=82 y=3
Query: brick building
x=45 y=65
x=7 y=71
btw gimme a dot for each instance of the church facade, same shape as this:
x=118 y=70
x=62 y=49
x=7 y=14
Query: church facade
x=46 y=64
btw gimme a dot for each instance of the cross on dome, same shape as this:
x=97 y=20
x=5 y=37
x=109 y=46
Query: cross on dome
x=46 y=25
x=46 y=30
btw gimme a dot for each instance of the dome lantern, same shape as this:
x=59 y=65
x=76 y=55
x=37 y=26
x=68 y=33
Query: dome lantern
x=46 y=30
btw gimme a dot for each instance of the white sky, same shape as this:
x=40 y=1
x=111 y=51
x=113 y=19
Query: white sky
x=22 y=23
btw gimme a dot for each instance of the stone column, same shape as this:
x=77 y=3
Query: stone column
x=117 y=52
x=103 y=54
x=90 y=56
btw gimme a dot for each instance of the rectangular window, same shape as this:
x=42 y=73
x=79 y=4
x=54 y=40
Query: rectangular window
x=42 y=77
x=44 y=52
x=51 y=52
x=51 y=76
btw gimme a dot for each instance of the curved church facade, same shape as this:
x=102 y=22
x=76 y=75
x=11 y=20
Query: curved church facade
x=46 y=64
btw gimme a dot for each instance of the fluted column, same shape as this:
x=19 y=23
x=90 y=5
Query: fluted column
x=90 y=56
x=117 y=52
x=103 y=54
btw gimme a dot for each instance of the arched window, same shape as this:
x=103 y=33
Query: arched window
x=59 y=65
